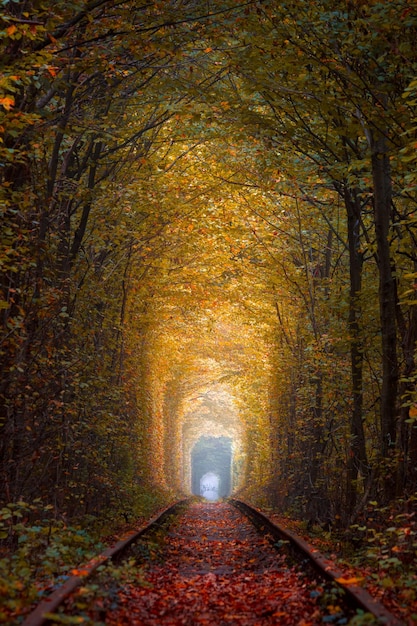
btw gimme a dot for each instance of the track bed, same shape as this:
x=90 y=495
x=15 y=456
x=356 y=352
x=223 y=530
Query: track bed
x=215 y=568
x=209 y=563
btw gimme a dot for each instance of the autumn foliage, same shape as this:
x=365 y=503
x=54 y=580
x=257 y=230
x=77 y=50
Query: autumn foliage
x=208 y=229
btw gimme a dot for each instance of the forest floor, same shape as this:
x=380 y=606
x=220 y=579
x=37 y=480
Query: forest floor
x=212 y=567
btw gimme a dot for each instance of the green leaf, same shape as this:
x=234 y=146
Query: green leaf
x=64 y=619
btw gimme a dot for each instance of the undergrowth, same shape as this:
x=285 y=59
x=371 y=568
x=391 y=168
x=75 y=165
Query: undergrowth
x=380 y=550
x=384 y=545
x=38 y=551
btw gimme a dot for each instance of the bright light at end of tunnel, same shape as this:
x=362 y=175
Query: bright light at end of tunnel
x=211 y=467
x=209 y=486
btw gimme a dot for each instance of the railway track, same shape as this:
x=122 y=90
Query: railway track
x=203 y=563
x=357 y=596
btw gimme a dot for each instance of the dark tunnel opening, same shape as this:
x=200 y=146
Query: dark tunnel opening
x=211 y=464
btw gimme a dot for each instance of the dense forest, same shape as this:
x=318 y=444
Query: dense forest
x=208 y=229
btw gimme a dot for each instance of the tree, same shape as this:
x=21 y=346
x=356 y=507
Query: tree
x=334 y=114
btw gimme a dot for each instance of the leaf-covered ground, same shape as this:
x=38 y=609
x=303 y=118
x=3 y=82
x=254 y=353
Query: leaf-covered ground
x=217 y=569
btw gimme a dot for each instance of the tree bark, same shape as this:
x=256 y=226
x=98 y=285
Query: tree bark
x=357 y=460
x=387 y=293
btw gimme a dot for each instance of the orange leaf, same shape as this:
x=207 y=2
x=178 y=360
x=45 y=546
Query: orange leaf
x=349 y=581
x=7 y=102
x=79 y=572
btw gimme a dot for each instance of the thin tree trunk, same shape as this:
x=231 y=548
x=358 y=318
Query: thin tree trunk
x=387 y=294
x=357 y=460
x=406 y=432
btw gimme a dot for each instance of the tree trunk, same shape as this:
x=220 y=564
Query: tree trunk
x=387 y=294
x=357 y=460
x=406 y=432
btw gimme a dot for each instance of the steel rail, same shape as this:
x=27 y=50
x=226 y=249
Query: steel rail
x=77 y=576
x=357 y=595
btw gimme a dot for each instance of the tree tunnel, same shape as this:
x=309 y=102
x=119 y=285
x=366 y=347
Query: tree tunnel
x=206 y=396
x=176 y=252
x=212 y=441
x=211 y=464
